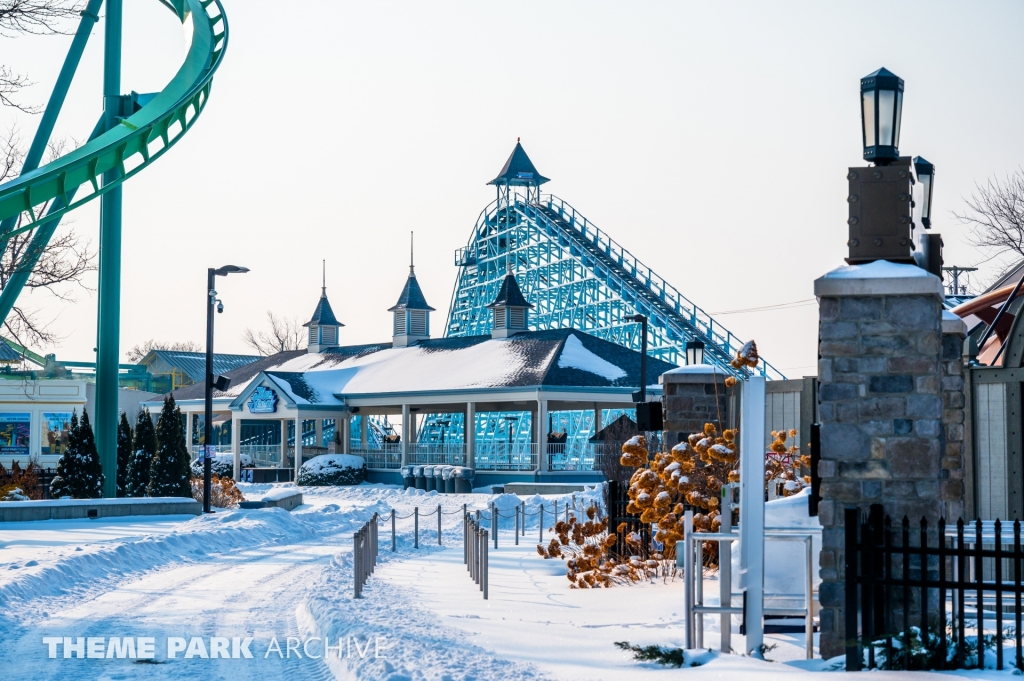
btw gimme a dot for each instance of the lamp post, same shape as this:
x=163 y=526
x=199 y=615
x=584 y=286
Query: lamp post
x=221 y=382
x=510 y=420
x=694 y=352
x=881 y=95
x=926 y=176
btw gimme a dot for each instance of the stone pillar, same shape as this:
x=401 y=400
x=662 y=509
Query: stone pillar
x=954 y=401
x=469 y=436
x=880 y=408
x=693 y=395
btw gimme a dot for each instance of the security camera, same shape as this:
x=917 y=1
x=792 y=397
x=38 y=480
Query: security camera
x=220 y=307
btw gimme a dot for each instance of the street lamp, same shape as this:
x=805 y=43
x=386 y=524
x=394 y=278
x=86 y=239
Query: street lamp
x=926 y=176
x=694 y=352
x=510 y=420
x=222 y=383
x=881 y=96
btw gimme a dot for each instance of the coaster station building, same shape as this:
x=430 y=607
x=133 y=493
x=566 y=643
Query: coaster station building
x=514 y=385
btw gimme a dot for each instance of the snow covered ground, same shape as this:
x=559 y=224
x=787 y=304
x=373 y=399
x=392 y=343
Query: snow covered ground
x=270 y=576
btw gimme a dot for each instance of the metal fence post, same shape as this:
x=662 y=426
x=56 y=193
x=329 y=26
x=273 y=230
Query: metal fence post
x=355 y=563
x=522 y=513
x=439 y=524
x=517 y=526
x=853 y=650
x=688 y=576
x=540 y=536
x=416 y=523
x=494 y=524
x=486 y=566
x=394 y=536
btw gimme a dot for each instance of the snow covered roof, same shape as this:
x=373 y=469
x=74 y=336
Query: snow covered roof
x=240 y=377
x=880 y=277
x=562 y=358
x=193 y=364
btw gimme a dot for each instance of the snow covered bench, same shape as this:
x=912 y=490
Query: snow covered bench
x=286 y=497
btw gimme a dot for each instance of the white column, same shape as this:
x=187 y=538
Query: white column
x=188 y=431
x=320 y=431
x=405 y=434
x=597 y=420
x=752 y=452
x=541 y=430
x=236 y=442
x=470 y=434
x=298 y=445
x=345 y=424
x=362 y=429
x=284 y=442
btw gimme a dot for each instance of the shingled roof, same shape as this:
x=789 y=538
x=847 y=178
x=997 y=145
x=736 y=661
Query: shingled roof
x=510 y=295
x=323 y=315
x=412 y=297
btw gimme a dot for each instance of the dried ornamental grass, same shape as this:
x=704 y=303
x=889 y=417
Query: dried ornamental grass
x=223 y=492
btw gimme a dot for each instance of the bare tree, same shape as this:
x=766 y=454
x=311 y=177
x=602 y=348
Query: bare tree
x=62 y=262
x=995 y=213
x=42 y=17
x=283 y=334
x=136 y=354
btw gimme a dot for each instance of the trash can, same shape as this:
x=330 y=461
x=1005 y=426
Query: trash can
x=417 y=474
x=463 y=479
x=428 y=474
x=449 y=479
x=407 y=479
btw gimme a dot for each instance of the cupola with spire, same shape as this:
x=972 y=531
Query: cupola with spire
x=323 y=327
x=510 y=308
x=412 y=314
x=518 y=171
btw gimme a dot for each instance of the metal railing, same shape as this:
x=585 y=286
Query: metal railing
x=364 y=554
x=505 y=456
x=574 y=456
x=384 y=456
x=453 y=454
x=263 y=456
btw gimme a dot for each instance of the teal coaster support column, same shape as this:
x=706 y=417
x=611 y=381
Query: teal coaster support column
x=108 y=326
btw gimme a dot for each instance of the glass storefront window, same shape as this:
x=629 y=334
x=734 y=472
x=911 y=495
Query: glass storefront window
x=221 y=433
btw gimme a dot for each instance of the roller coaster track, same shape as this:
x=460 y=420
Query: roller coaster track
x=136 y=141
x=579 y=277
x=132 y=133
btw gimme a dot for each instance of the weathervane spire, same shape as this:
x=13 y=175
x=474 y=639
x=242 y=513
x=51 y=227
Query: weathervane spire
x=411 y=265
x=323 y=287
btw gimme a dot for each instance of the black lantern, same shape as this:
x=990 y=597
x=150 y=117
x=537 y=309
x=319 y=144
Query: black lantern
x=926 y=176
x=694 y=352
x=881 y=96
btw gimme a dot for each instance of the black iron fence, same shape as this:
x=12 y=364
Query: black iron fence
x=923 y=597
x=364 y=554
x=618 y=500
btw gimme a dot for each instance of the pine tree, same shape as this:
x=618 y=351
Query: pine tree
x=142 y=457
x=79 y=474
x=124 y=454
x=170 y=474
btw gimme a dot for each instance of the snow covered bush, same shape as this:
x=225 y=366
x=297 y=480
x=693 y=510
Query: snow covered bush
x=25 y=480
x=223 y=491
x=332 y=469
x=14 y=495
x=79 y=474
x=221 y=464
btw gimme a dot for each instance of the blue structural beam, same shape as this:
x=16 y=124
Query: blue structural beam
x=578 y=277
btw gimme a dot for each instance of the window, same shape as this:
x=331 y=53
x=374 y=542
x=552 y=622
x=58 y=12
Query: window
x=312 y=335
x=399 y=322
x=328 y=335
x=56 y=428
x=499 y=318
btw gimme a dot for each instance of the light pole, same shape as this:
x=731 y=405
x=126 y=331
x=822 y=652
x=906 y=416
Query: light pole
x=643 y=356
x=694 y=352
x=222 y=382
x=510 y=420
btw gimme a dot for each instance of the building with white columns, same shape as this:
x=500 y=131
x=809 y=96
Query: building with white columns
x=408 y=401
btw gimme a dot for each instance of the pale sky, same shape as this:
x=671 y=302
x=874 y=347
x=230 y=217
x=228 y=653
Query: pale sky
x=709 y=139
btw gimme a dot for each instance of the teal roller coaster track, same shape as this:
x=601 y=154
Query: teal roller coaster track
x=133 y=131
